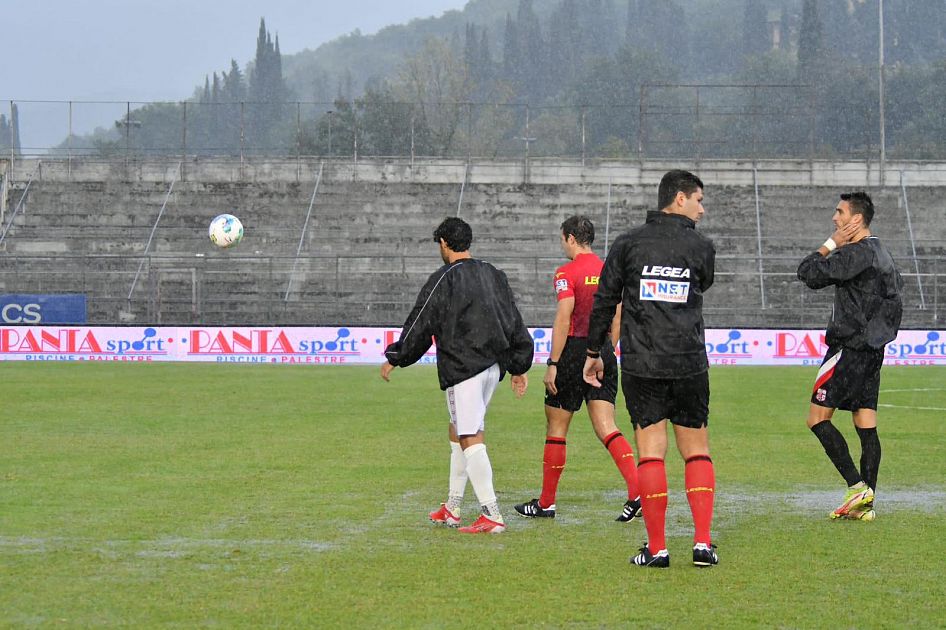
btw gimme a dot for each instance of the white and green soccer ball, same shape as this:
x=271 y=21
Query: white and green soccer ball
x=226 y=230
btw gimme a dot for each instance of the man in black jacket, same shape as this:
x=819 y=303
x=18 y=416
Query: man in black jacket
x=468 y=308
x=659 y=272
x=866 y=316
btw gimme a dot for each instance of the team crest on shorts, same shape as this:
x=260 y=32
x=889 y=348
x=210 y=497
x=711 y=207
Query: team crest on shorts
x=821 y=394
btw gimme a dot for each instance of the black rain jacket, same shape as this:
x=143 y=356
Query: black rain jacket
x=469 y=310
x=659 y=272
x=867 y=304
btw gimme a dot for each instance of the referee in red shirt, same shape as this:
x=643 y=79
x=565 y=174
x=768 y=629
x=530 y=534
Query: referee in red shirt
x=575 y=285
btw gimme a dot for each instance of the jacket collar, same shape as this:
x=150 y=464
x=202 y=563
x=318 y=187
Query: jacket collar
x=658 y=216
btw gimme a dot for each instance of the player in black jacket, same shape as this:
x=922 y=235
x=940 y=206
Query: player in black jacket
x=866 y=316
x=659 y=272
x=468 y=309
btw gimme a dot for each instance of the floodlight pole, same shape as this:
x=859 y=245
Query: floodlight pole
x=880 y=82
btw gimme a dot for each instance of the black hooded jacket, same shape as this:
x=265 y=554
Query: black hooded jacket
x=469 y=310
x=867 y=305
x=659 y=272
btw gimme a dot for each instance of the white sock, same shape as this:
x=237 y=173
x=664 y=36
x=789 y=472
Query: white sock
x=481 y=476
x=458 y=477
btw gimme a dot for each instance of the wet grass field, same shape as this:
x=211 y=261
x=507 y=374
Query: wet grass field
x=190 y=495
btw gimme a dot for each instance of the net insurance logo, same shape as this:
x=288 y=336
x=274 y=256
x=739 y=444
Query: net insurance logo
x=272 y=345
x=83 y=344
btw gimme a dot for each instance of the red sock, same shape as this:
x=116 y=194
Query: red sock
x=553 y=463
x=623 y=456
x=701 y=488
x=652 y=476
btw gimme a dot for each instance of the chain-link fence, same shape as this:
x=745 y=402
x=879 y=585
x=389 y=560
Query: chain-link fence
x=669 y=121
x=376 y=290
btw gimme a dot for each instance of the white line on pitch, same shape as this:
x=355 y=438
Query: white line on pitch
x=912 y=407
x=920 y=389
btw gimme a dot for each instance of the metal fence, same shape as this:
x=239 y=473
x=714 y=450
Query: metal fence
x=692 y=121
x=380 y=290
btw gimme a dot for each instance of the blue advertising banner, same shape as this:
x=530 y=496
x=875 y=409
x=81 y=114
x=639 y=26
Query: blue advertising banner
x=25 y=308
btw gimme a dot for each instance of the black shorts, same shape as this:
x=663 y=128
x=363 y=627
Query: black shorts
x=570 y=382
x=848 y=379
x=684 y=401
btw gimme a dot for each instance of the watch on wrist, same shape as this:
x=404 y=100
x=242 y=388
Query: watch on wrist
x=591 y=354
x=549 y=361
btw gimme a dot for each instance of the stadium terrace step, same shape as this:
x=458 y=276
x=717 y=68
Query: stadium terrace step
x=367 y=247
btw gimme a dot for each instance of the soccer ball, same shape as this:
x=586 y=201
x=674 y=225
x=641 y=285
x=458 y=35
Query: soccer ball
x=226 y=230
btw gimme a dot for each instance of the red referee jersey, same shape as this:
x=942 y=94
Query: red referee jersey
x=579 y=279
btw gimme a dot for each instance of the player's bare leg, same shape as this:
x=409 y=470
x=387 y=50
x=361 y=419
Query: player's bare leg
x=601 y=413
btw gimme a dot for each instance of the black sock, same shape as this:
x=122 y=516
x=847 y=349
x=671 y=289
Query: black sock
x=836 y=448
x=870 y=455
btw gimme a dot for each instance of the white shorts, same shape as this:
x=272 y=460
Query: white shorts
x=467 y=401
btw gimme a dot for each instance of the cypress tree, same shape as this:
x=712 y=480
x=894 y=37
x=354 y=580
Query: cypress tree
x=485 y=63
x=755 y=29
x=234 y=87
x=810 y=42
x=512 y=61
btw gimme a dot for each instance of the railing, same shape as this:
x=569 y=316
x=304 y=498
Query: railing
x=154 y=228
x=305 y=227
x=6 y=228
x=669 y=121
x=240 y=289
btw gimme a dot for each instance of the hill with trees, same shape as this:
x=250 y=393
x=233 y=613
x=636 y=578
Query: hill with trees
x=608 y=78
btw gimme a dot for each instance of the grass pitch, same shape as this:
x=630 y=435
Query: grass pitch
x=214 y=495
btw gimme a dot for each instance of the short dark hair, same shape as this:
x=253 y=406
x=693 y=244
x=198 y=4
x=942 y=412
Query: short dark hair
x=456 y=232
x=860 y=204
x=673 y=182
x=581 y=228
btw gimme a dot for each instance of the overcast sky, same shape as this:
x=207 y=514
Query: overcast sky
x=147 y=50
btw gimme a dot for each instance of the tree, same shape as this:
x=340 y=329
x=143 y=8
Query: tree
x=385 y=124
x=5 y=137
x=438 y=83
x=565 y=44
x=915 y=31
x=10 y=130
x=659 y=26
x=512 y=55
x=234 y=87
x=267 y=89
x=810 y=44
x=610 y=90
x=485 y=62
x=601 y=28
x=532 y=47
x=755 y=29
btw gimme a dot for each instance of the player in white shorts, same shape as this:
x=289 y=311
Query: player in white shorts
x=467 y=307
x=467 y=401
